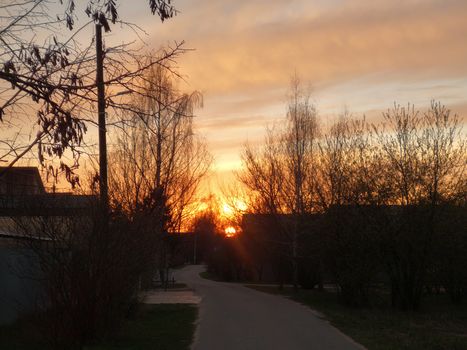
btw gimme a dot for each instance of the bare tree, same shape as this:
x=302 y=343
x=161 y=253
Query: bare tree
x=48 y=80
x=263 y=175
x=348 y=188
x=426 y=157
x=206 y=229
x=386 y=193
x=300 y=142
x=158 y=150
x=159 y=161
x=281 y=175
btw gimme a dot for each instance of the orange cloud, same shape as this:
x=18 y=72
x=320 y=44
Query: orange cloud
x=363 y=54
x=422 y=39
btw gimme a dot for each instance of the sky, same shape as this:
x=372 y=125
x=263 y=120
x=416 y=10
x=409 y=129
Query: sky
x=355 y=55
x=360 y=55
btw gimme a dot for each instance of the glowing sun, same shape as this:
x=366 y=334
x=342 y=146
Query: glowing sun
x=230 y=231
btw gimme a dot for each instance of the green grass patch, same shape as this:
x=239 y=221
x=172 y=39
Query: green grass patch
x=438 y=326
x=209 y=276
x=161 y=327
x=177 y=285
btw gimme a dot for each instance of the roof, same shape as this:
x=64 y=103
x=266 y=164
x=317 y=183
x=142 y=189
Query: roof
x=22 y=193
x=20 y=181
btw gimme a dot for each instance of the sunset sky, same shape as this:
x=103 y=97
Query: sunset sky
x=359 y=55
x=362 y=55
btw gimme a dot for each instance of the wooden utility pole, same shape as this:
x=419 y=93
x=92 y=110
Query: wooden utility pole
x=195 y=238
x=103 y=185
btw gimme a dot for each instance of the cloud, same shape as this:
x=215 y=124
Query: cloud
x=363 y=54
x=253 y=47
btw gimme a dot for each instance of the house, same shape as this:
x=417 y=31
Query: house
x=20 y=181
x=268 y=243
x=22 y=198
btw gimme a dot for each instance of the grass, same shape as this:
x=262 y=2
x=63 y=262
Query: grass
x=438 y=326
x=210 y=276
x=213 y=277
x=162 y=327
x=177 y=285
x=20 y=336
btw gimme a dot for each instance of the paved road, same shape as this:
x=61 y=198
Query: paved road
x=239 y=318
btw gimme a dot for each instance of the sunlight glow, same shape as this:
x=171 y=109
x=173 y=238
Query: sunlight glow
x=237 y=206
x=240 y=205
x=230 y=231
x=227 y=209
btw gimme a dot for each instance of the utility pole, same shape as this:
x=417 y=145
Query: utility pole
x=195 y=238
x=103 y=185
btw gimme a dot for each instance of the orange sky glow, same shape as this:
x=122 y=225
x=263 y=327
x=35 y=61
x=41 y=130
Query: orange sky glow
x=359 y=55
x=362 y=55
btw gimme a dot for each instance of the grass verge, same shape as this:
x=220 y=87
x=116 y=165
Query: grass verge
x=162 y=327
x=177 y=285
x=209 y=276
x=438 y=326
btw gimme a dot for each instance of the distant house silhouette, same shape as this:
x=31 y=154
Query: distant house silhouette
x=267 y=241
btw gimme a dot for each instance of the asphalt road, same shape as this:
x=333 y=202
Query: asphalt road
x=236 y=317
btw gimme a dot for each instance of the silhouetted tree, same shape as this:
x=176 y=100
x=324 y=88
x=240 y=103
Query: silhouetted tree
x=50 y=83
x=425 y=153
x=300 y=147
x=158 y=149
x=281 y=175
x=349 y=191
x=158 y=161
x=90 y=277
x=386 y=193
x=205 y=227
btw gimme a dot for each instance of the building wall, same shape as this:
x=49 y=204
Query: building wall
x=19 y=286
